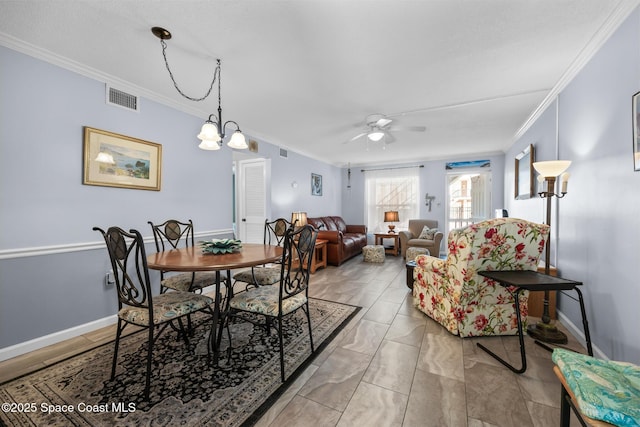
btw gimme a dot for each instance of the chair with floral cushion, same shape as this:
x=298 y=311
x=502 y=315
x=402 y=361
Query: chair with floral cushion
x=289 y=295
x=274 y=234
x=600 y=392
x=169 y=235
x=136 y=304
x=452 y=292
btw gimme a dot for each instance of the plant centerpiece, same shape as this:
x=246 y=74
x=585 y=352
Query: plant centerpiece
x=220 y=246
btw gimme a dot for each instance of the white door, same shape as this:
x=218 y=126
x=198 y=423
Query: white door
x=252 y=196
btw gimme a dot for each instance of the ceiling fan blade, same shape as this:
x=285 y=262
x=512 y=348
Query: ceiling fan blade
x=383 y=121
x=389 y=138
x=409 y=128
x=360 y=135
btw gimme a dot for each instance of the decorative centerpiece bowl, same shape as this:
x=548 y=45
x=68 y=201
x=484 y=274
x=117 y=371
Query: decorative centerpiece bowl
x=220 y=246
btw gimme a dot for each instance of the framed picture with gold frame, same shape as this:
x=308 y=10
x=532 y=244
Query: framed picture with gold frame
x=114 y=160
x=525 y=184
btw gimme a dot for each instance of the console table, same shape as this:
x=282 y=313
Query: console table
x=518 y=281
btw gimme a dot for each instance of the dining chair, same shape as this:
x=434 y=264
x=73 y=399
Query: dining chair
x=170 y=235
x=289 y=295
x=136 y=304
x=274 y=234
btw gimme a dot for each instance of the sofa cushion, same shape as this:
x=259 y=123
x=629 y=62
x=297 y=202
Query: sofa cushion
x=427 y=233
x=340 y=224
x=330 y=223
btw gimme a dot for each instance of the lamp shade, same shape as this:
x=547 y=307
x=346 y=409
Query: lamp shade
x=209 y=132
x=238 y=141
x=552 y=167
x=299 y=219
x=391 y=216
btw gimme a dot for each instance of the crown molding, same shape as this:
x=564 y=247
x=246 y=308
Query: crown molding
x=613 y=22
x=92 y=73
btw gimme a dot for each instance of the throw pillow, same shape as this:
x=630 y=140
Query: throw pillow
x=428 y=233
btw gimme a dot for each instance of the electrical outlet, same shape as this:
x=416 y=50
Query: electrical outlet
x=109 y=280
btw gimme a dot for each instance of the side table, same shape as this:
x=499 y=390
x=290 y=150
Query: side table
x=393 y=250
x=411 y=266
x=520 y=281
x=319 y=259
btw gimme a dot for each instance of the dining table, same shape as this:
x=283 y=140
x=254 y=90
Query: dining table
x=192 y=258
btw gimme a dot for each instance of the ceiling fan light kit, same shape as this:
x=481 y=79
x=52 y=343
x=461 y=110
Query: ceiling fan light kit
x=375 y=135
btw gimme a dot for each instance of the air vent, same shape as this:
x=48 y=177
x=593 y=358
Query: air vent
x=122 y=99
x=284 y=153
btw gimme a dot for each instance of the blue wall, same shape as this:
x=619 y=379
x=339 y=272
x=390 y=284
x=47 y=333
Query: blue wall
x=433 y=180
x=595 y=228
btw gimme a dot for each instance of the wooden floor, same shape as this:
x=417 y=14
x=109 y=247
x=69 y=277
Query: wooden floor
x=392 y=365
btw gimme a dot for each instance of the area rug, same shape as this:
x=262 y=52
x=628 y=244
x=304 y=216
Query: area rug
x=186 y=389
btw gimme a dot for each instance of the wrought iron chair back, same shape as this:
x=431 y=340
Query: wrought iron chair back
x=172 y=233
x=298 y=248
x=129 y=264
x=274 y=231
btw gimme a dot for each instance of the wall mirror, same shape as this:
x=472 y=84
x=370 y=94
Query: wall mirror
x=524 y=184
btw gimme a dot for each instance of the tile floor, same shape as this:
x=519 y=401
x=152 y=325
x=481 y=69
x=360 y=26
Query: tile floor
x=391 y=366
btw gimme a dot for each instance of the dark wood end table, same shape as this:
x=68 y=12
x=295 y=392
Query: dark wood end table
x=518 y=281
x=393 y=250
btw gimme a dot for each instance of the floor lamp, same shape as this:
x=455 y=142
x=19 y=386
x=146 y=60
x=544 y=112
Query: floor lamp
x=545 y=330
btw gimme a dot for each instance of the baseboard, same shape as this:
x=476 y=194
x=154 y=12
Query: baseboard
x=56 y=337
x=576 y=332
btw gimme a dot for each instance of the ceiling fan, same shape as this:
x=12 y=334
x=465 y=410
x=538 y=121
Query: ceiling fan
x=379 y=128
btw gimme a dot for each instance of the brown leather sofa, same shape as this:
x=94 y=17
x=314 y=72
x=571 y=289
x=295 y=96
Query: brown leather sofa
x=344 y=241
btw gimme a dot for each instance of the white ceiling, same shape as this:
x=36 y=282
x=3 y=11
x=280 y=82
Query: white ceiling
x=302 y=74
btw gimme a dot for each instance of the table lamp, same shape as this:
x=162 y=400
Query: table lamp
x=298 y=219
x=391 y=216
x=545 y=330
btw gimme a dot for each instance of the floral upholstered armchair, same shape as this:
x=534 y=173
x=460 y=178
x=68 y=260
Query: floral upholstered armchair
x=453 y=294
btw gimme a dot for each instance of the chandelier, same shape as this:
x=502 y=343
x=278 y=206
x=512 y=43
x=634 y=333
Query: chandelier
x=214 y=129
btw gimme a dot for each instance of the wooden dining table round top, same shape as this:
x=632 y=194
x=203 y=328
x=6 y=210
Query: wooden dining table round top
x=193 y=259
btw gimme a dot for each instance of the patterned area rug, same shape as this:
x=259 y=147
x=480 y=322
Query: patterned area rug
x=185 y=389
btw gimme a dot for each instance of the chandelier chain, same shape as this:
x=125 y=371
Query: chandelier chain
x=216 y=72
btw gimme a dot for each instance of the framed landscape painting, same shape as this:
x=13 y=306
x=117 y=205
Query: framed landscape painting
x=114 y=160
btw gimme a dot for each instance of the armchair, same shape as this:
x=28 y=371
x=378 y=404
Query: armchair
x=410 y=238
x=453 y=294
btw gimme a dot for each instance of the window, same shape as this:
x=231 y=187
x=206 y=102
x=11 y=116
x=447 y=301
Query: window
x=391 y=190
